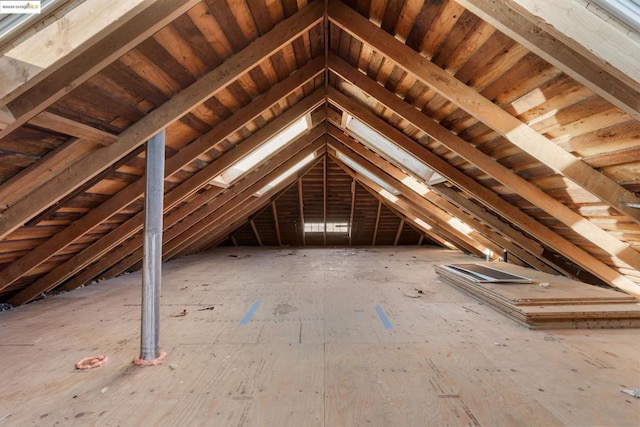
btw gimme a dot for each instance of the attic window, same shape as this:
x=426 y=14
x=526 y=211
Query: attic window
x=387 y=148
x=626 y=11
x=257 y=156
x=293 y=169
x=331 y=227
x=364 y=172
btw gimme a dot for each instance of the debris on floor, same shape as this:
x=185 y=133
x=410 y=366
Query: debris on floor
x=418 y=293
x=182 y=313
x=635 y=392
x=207 y=308
x=4 y=306
x=92 y=362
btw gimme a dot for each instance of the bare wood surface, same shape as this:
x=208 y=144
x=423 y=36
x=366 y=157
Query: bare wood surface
x=587 y=68
x=161 y=118
x=51 y=85
x=484 y=110
x=507 y=177
x=487 y=196
x=314 y=353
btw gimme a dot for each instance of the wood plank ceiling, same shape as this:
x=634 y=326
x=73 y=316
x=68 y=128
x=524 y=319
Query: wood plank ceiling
x=529 y=157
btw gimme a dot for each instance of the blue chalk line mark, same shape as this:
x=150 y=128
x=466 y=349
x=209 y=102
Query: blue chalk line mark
x=250 y=313
x=383 y=317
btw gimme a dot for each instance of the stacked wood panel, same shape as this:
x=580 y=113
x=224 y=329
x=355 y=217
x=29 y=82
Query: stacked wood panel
x=549 y=302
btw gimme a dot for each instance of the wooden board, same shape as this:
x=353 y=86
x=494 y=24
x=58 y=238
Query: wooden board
x=314 y=353
x=559 y=303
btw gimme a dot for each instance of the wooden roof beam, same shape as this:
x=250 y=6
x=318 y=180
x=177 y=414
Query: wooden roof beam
x=549 y=30
x=206 y=203
x=465 y=97
x=490 y=166
x=411 y=205
x=59 y=124
x=225 y=225
x=55 y=60
x=255 y=232
x=488 y=197
x=108 y=242
x=84 y=140
x=352 y=208
x=301 y=212
x=481 y=233
x=218 y=230
x=200 y=220
x=398 y=232
x=276 y=222
x=514 y=241
x=398 y=209
x=375 y=228
x=174 y=164
x=162 y=117
x=429 y=212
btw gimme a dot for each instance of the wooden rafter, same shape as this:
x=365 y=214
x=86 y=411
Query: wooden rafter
x=466 y=98
x=352 y=209
x=301 y=209
x=507 y=177
x=30 y=92
x=207 y=86
x=409 y=200
x=398 y=232
x=199 y=210
x=230 y=220
x=226 y=225
x=490 y=199
x=375 y=228
x=584 y=66
x=411 y=205
x=398 y=209
x=494 y=228
x=59 y=124
x=135 y=224
x=84 y=140
x=136 y=189
x=484 y=235
x=276 y=222
x=255 y=232
x=176 y=237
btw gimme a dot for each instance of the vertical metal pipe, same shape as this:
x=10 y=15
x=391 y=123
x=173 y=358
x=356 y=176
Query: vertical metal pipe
x=152 y=252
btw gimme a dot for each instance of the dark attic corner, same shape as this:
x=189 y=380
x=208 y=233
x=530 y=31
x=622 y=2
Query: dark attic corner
x=312 y=213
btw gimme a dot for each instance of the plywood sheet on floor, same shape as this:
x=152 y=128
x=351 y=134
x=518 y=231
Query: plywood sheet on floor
x=315 y=351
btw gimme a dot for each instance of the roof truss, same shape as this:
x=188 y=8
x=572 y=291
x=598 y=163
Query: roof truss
x=328 y=87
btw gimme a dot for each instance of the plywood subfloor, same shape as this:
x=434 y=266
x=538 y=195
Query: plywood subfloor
x=315 y=352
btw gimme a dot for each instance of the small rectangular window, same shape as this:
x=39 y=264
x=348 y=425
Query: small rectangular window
x=331 y=227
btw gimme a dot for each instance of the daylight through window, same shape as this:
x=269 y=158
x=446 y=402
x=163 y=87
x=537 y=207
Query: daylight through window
x=332 y=227
x=258 y=155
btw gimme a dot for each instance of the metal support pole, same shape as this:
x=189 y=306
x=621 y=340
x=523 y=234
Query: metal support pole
x=152 y=253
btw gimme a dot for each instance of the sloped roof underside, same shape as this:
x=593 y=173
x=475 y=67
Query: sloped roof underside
x=529 y=159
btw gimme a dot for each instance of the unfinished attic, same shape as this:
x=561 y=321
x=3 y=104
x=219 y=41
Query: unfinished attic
x=291 y=202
